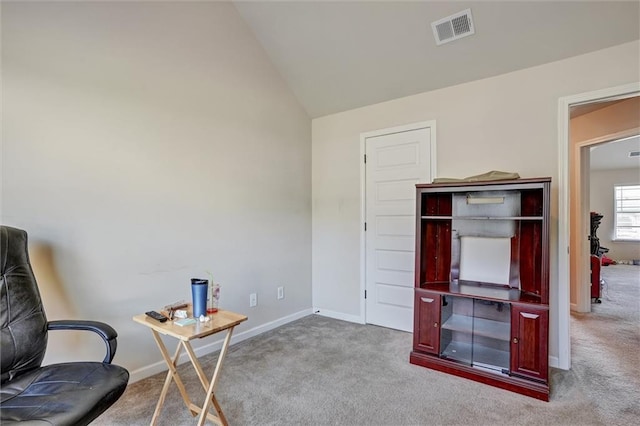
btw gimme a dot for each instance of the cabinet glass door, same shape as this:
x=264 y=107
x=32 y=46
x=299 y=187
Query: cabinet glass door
x=491 y=335
x=456 y=335
x=476 y=332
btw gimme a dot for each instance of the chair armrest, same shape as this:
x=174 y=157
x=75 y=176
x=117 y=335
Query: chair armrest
x=105 y=331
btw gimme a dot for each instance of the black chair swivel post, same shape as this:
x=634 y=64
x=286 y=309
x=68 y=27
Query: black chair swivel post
x=72 y=393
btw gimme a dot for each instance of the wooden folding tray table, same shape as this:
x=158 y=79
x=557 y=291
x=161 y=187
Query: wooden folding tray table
x=220 y=321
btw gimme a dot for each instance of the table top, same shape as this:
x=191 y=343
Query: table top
x=220 y=320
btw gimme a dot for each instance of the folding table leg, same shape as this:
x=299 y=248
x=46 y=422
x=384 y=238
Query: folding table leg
x=210 y=397
x=172 y=374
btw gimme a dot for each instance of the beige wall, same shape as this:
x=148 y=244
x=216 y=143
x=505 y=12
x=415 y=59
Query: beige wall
x=601 y=201
x=143 y=144
x=508 y=122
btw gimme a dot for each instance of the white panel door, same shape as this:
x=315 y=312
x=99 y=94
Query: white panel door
x=394 y=164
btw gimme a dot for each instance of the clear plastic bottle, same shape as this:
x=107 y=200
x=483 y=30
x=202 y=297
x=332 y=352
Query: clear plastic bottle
x=214 y=297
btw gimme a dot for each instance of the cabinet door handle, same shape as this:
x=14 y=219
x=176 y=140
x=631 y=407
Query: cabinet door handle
x=426 y=299
x=435 y=324
x=515 y=340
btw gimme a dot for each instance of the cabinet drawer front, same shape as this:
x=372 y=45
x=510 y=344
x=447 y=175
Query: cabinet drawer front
x=529 y=343
x=426 y=336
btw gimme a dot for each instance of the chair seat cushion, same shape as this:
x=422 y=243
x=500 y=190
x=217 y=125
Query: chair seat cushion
x=62 y=394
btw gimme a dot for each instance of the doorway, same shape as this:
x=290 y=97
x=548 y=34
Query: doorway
x=591 y=125
x=574 y=209
x=394 y=161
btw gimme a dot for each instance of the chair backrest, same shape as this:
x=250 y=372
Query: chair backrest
x=23 y=324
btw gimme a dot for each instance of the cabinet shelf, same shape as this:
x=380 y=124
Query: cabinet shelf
x=478 y=326
x=458 y=351
x=483 y=290
x=481 y=217
x=487 y=357
x=484 y=357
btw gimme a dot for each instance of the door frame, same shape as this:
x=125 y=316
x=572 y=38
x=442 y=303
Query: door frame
x=566 y=185
x=431 y=125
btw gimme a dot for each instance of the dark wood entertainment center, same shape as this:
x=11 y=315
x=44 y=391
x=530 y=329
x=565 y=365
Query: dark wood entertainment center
x=482 y=282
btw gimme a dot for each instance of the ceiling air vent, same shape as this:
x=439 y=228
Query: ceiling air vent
x=634 y=154
x=453 y=27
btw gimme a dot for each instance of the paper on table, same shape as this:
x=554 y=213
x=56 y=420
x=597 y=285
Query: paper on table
x=184 y=322
x=485 y=259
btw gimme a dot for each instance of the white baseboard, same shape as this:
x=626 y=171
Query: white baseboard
x=160 y=366
x=338 y=315
x=554 y=361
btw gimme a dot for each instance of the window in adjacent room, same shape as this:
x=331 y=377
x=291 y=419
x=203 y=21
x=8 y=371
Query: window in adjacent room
x=627 y=216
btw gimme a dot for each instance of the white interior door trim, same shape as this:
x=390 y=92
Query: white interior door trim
x=564 y=296
x=431 y=125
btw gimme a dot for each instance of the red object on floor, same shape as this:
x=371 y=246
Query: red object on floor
x=595 y=277
x=606 y=261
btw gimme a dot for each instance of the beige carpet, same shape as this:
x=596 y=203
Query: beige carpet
x=320 y=371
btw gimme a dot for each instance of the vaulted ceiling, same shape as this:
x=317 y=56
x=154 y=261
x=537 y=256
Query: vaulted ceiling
x=340 y=55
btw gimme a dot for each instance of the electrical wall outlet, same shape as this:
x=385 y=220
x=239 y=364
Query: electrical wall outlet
x=280 y=293
x=253 y=300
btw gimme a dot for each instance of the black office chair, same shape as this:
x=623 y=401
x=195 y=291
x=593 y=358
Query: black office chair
x=73 y=393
